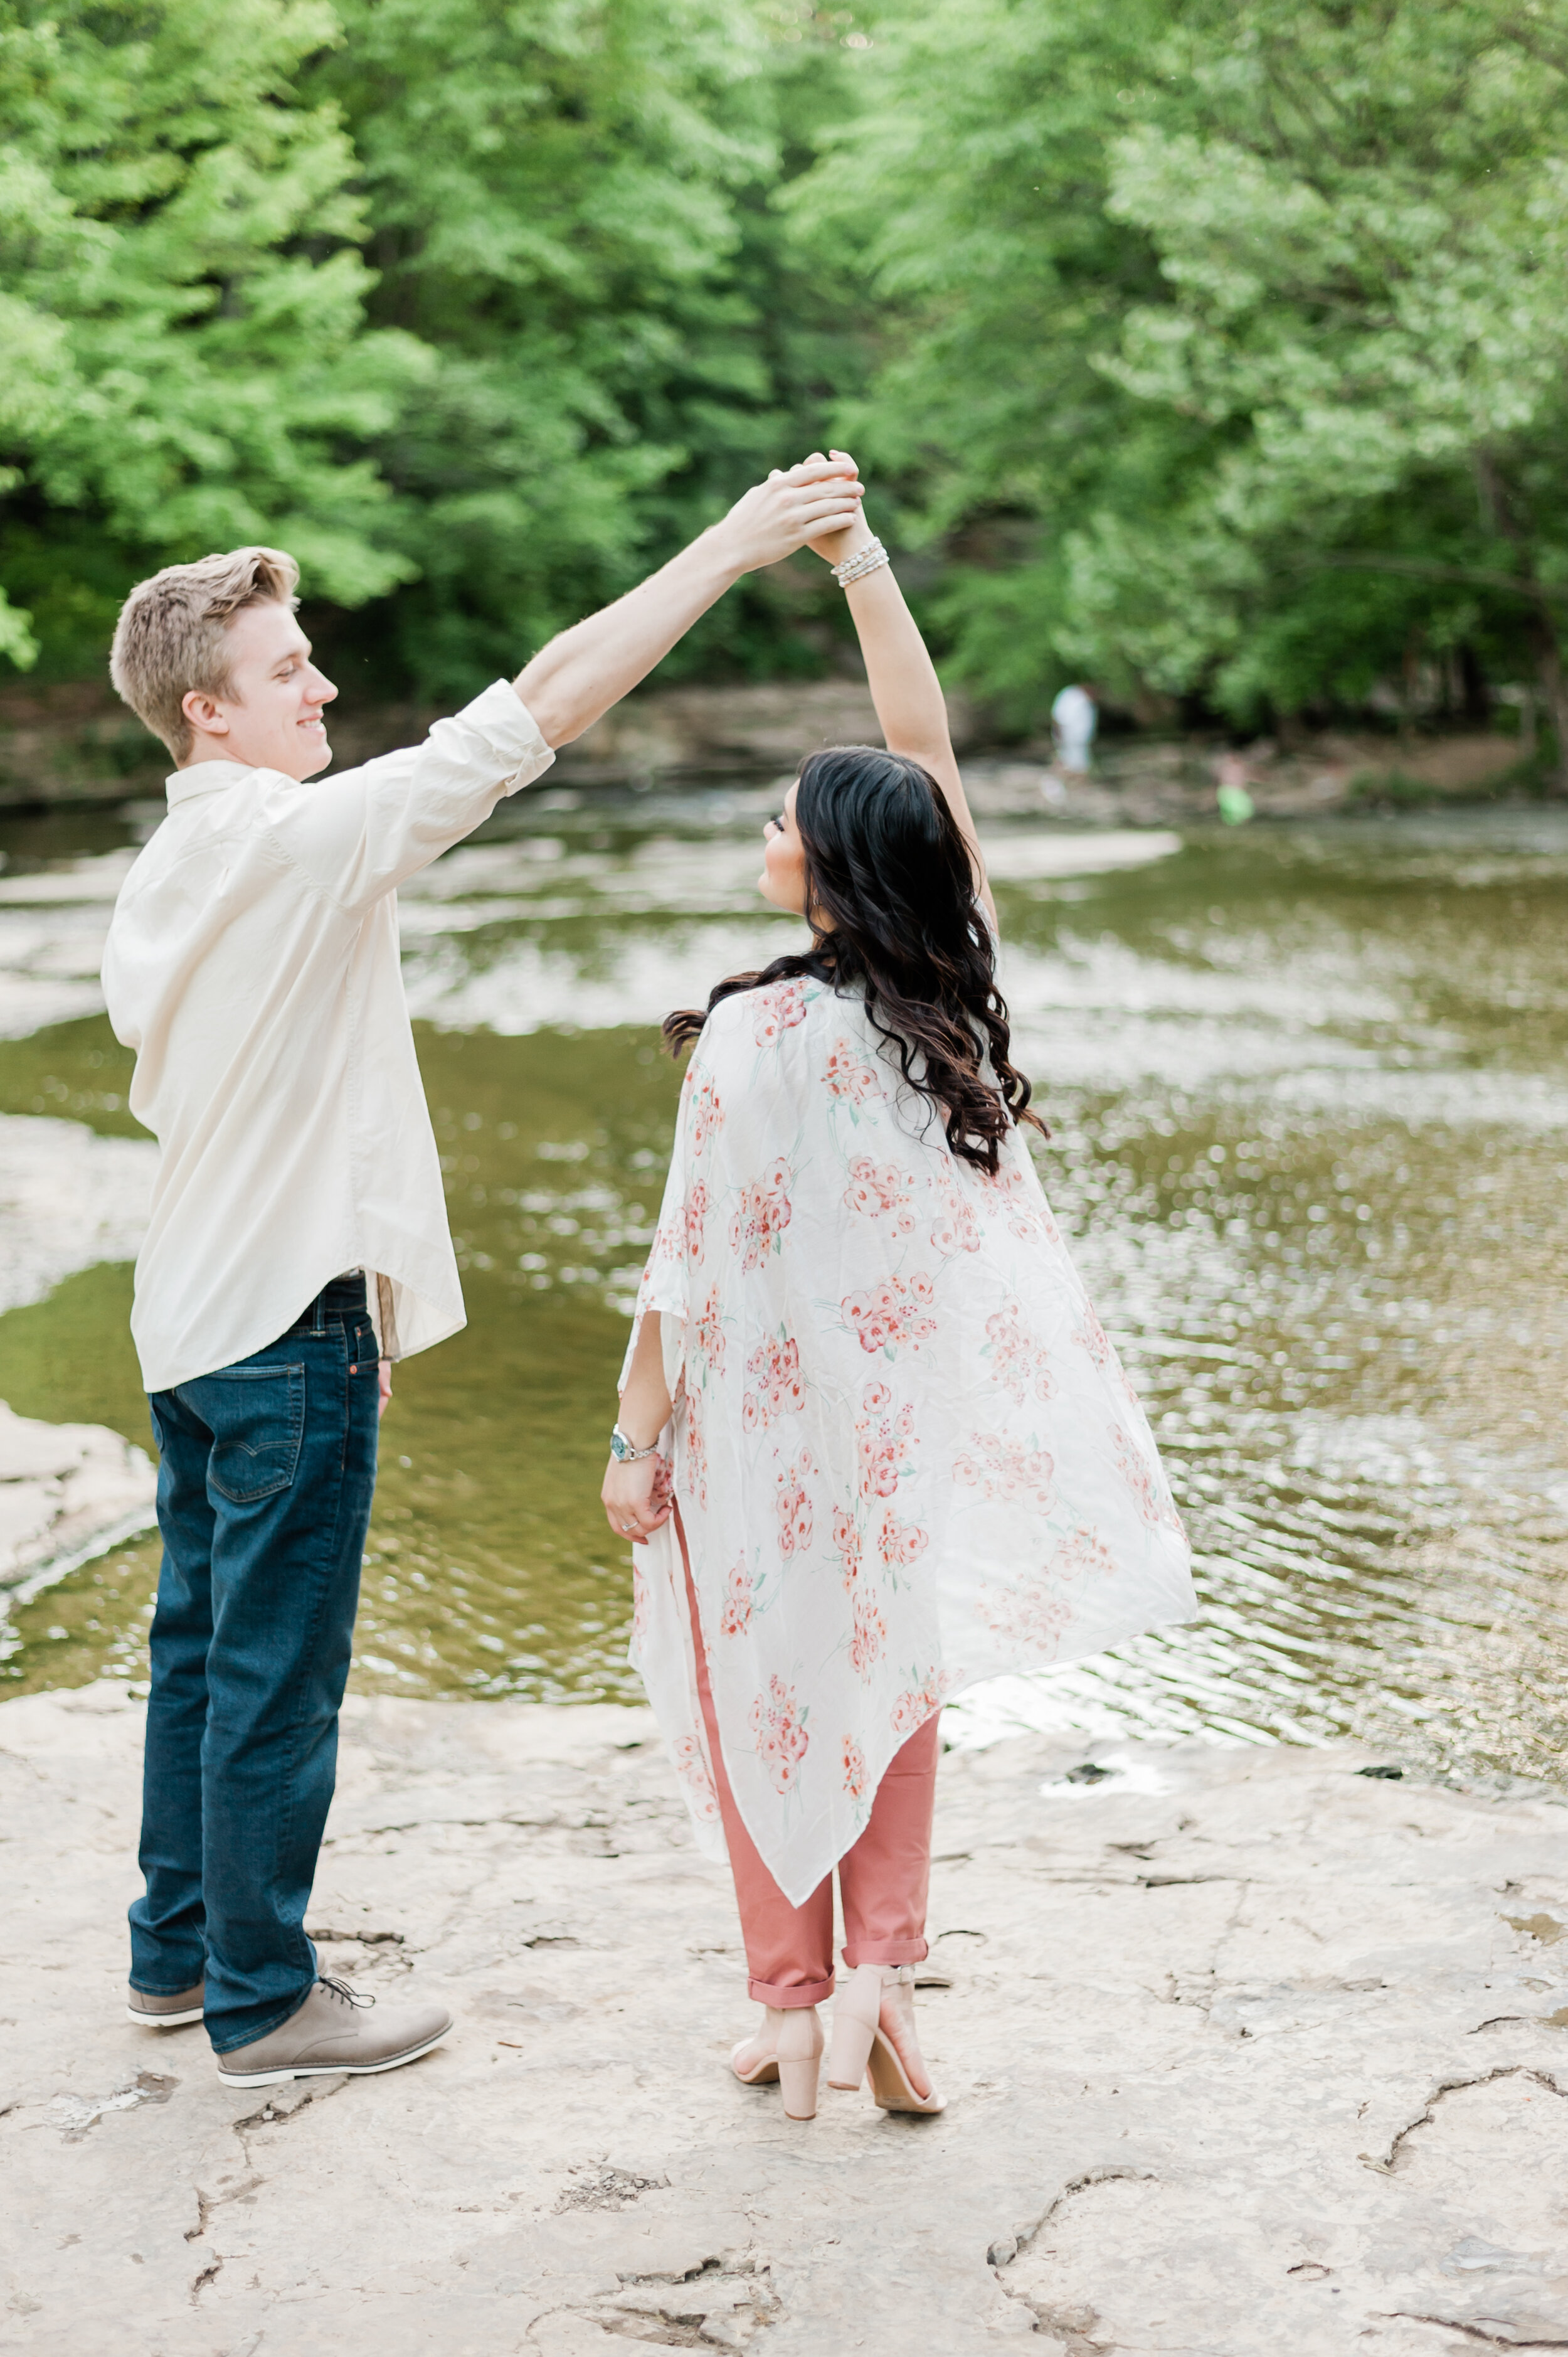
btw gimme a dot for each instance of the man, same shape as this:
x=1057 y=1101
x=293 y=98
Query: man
x=297 y=1243
x=1073 y=720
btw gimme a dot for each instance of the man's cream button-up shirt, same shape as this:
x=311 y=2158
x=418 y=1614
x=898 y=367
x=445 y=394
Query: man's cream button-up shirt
x=253 y=965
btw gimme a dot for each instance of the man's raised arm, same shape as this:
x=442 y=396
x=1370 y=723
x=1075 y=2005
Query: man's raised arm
x=591 y=666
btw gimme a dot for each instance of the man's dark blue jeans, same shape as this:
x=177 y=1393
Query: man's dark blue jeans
x=264 y=1502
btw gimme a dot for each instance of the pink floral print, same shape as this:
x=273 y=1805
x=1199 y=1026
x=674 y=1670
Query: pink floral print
x=891 y=1314
x=704 y=1112
x=735 y=1618
x=1091 y=1337
x=879 y=1191
x=779 y=1009
x=792 y=1503
x=1149 y=1494
x=846 y=1546
x=708 y=1340
x=696 y=1473
x=902 y=1544
x=868 y=1633
x=904 y=1454
x=1033 y=1618
x=763 y=1215
x=999 y=1467
x=696 y=1220
x=916 y=1705
x=692 y=1770
x=779 y=1725
x=884 y=1437
x=1029 y=1214
x=1084 y=1554
x=1021 y=1366
x=774 y=1387
x=957 y=1229
x=849 y=1075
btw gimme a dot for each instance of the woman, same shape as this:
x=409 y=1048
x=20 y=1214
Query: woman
x=873 y=1445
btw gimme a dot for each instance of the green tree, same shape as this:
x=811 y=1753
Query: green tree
x=1260 y=308
x=182 y=304
x=572 y=209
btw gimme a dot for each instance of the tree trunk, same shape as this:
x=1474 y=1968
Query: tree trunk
x=1553 y=689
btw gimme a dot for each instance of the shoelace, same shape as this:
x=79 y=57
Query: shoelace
x=341 y=1990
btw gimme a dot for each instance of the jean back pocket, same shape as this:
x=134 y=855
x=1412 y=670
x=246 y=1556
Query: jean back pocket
x=256 y=1416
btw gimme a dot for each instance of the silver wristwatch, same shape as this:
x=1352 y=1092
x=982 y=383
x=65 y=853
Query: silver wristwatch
x=625 y=1453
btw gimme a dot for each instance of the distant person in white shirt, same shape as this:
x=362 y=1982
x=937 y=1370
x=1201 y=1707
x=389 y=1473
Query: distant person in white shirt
x=298 y=1241
x=1074 y=718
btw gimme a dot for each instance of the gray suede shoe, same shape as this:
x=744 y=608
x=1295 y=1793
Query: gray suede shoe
x=337 y=2031
x=154 y=2012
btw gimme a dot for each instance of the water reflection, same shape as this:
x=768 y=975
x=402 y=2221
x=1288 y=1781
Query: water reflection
x=1310 y=1131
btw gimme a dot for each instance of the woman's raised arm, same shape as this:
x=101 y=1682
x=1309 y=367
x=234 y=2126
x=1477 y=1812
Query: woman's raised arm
x=911 y=707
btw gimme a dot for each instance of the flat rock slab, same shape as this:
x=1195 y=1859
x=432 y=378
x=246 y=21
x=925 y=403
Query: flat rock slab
x=1246 y=2051
x=66 y=1488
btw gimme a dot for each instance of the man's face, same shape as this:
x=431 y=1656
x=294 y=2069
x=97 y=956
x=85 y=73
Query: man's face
x=274 y=718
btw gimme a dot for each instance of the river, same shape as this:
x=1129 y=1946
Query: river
x=1309 y=1118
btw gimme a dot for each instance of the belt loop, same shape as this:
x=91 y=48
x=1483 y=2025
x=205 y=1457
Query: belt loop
x=319 y=1307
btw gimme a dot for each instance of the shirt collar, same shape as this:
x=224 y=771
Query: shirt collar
x=206 y=778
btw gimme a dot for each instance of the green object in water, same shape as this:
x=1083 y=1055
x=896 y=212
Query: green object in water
x=1236 y=805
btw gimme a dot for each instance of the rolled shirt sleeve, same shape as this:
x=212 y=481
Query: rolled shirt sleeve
x=357 y=837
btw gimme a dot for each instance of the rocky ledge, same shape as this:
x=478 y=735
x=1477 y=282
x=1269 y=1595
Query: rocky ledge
x=1247 y=2051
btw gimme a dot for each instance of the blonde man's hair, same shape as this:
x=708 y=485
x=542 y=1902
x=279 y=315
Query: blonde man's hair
x=173 y=633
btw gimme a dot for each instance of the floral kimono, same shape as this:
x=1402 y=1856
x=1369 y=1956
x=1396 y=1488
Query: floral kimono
x=905 y=1454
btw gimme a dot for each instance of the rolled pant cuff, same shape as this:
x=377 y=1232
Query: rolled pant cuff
x=279 y=2020
x=886 y=1952
x=811 y=1993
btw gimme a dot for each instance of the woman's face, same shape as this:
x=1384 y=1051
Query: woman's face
x=783 y=876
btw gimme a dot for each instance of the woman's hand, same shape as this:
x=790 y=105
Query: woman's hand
x=790 y=510
x=847 y=539
x=636 y=1498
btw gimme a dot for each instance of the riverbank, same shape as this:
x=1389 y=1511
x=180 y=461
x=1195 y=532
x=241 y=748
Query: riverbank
x=75 y=746
x=1246 y=2049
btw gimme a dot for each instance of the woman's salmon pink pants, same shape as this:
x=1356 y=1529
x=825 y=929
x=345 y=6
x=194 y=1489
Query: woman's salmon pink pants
x=883 y=1881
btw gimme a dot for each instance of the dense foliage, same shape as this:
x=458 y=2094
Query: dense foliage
x=1234 y=354
x=1218 y=353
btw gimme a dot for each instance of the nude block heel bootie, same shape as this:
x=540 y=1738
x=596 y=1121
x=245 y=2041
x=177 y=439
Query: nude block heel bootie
x=874 y=2037
x=788 y=2049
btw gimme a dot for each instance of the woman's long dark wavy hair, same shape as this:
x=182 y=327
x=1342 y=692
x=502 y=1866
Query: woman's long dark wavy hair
x=891 y=898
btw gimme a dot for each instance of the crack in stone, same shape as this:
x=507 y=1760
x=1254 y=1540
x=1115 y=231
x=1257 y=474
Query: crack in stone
x=1386 y=2166
x=366 y=1938
x=287 y=2104
x=1500 y=2339
x=675 y=2324
x=209 y=2274
x=1073 y=2326
x=704 y=2267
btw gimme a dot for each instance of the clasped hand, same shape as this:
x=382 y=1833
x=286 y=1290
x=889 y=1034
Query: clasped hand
x=797 y=507
x=637 y=1498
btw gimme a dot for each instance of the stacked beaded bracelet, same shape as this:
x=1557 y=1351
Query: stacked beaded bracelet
x=864 y=560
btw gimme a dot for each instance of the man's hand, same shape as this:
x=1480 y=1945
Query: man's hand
x=594 y=664
x=383 y=1385
x=791 y=509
